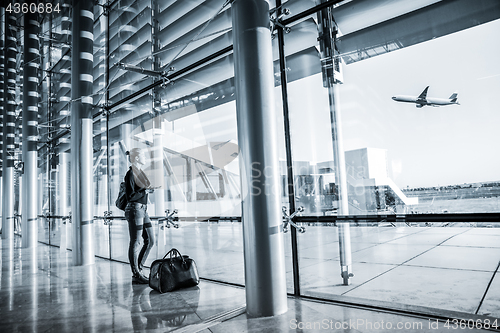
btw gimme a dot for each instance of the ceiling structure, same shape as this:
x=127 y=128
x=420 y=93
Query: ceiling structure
x=193 y=30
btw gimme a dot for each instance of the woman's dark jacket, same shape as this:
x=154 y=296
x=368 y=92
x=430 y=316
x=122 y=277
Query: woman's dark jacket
x=136 y=184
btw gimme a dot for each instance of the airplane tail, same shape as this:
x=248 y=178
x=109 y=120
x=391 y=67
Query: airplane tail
x=453 y=97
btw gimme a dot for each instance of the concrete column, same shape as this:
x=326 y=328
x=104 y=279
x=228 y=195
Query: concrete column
x=30 y=132
x=9 y=116
x=265 y=279
x=63 y=198
x=81 y=133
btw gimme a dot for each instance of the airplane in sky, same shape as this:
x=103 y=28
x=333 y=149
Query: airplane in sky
x=422 y=99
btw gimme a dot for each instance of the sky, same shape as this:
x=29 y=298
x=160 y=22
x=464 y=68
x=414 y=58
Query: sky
x=429 y=146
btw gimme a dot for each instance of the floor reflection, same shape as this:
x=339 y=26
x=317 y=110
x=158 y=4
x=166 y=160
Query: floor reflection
x=151 y=310
x=464 y=259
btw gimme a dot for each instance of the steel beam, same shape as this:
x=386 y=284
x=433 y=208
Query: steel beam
x=288 y=150
x=327 y=31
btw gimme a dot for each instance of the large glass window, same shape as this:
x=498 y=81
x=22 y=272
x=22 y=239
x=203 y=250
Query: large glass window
x=54 y=128
x=435 y=159
x=401 y=159
x=187 y=127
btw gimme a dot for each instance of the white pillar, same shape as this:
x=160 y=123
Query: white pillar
x=81 y=133
x=63 y=199
x=28 y=190
x=9 y=114
x=265 y=278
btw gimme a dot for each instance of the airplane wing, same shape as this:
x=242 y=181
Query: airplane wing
x=423 y=95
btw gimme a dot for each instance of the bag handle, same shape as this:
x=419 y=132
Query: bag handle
x=173 y=253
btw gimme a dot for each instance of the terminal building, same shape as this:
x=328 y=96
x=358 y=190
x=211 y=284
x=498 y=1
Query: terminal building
x=308 y=198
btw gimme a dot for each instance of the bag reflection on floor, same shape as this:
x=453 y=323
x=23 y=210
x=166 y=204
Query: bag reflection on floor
x=151 y=309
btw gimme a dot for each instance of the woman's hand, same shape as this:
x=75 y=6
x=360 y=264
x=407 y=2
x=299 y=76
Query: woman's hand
x=151 y=189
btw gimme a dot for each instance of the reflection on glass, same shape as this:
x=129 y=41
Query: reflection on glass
x=201 y=162
x=130 y=43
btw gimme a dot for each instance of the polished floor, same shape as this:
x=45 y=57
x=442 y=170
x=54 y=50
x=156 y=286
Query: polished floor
x=453 y=269
x=444 y=268
x=49 y=294
x=41 y=291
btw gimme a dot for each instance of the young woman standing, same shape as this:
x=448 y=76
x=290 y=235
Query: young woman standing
x=138 y=186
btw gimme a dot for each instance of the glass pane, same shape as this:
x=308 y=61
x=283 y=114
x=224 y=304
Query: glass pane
x=119 y=239
x=190 y=31
x=310 y=124
x=200 y=159
x=200 y=144
x=100 y=161
x=54 y=123
x=314 y=166
x=100 y=35
x=101 y=192
x=285 y=200
x=43 y=230
x=217 y=247
x=424 y=159
x=127 y=128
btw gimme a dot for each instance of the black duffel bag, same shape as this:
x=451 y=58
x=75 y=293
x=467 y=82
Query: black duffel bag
x=172 y=273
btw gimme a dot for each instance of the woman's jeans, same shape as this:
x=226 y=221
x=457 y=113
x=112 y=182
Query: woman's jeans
x=138 y=224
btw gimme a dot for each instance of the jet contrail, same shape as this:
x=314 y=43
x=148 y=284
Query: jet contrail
x=488 y=77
